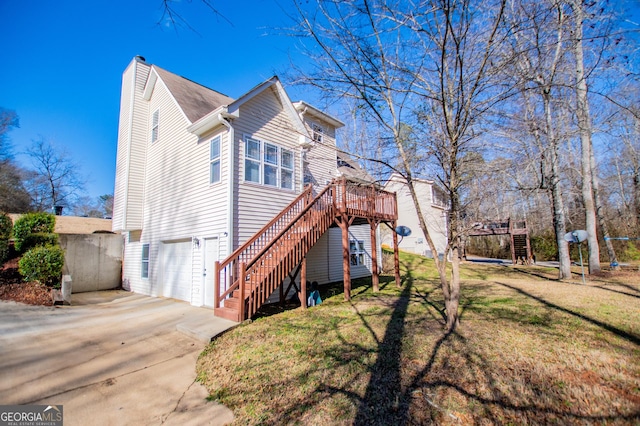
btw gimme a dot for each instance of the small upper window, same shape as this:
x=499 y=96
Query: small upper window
x=145 y=261
x=154 y=125
x=214 y=160
x=317 y=132
x=438 y=197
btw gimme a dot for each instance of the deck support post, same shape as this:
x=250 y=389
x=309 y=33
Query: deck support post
x=243 y=272
x=396 y=256
x=343 y=223
x=216 y=285
x=303 y=283
x=375 y=278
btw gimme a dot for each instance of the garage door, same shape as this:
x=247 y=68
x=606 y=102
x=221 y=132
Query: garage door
x=176 y=270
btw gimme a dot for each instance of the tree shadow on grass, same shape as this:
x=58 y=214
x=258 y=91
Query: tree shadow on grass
x=637 y=296
x=621 y=333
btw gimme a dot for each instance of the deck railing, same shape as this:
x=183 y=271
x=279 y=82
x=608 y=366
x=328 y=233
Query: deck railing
x=253 y=271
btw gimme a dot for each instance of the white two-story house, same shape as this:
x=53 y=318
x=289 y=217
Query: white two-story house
x=198 y=173
x=435 y=207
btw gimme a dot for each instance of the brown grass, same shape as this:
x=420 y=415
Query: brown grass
x=530 y=350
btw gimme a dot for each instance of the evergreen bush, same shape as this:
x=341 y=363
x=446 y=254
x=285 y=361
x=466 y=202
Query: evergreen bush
x=6 y=226
x=31 y=223
x=43 y=264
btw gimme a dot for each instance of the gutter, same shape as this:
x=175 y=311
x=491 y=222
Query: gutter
x=222 y=119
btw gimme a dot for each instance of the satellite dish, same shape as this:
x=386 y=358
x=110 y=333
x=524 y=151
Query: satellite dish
x=403 y=231
x=576 y=236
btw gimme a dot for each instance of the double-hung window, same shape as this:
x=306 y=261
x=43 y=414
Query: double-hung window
x=145 y=261
x=155 y=124
x=317 y=132
x=214 y=160
x=268 y=164
x=286 y=168
x=357 y=252
x=252 y=160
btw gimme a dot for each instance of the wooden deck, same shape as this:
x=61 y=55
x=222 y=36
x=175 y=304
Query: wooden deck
x=255 y=270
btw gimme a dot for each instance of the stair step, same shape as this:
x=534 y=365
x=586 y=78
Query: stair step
x=232 y=303
x=227 y=313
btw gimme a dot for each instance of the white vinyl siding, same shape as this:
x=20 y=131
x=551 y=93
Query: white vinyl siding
x=358 y=233
x=179 y=201
x=320 y=166
x=263 y=119
x=435 y=216
x=132 y=150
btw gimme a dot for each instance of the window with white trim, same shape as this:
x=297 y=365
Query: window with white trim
x=357 y=252
x=317 y=132
x=438 y=197
x=155 y=125
x=268 y=164
x=145 y=261
x=214 y=160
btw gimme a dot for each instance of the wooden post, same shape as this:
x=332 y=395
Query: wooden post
x=216 y=285
x=243 y=270
x=513 y=247
x=343 y=222
x=303 y=283
x=375 y=279
x=396 y=256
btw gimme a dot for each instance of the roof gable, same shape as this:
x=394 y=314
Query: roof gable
x=287 y=105
x=195 y=100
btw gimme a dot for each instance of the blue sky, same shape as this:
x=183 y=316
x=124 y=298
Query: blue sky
x=63 y=63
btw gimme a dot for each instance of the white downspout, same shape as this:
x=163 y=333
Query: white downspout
x=231 y=181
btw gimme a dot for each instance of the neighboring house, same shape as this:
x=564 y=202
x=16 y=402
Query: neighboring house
x=198 y=173
x=434 y=206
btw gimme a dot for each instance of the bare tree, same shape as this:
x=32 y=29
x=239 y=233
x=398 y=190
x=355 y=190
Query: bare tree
x=539 y=49
x=13 y=196
x=584 y=126
x=55 y=179
x=424 y=74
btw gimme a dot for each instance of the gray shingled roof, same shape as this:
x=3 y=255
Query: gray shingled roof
x=195 y=100
x=352 y=170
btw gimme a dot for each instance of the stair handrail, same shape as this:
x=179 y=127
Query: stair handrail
x=247 y=265
x=237 y=252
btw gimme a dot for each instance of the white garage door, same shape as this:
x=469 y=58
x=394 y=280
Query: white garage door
x=176 y=270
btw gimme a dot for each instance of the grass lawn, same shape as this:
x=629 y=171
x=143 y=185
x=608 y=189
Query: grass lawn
x=529 y=350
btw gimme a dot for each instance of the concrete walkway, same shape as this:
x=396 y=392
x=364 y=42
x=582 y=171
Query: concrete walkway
x=112 y=358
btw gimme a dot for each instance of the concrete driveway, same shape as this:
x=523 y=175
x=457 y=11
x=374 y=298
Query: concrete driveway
x=111 y=358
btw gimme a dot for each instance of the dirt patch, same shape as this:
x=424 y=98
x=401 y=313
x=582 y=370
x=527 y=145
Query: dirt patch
x=13 y=288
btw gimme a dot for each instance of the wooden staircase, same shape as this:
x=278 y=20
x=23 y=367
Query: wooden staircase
x=246 y=279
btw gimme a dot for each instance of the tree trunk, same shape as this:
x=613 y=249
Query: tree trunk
x=613 y=259
x=584 y=124
x=564 y=269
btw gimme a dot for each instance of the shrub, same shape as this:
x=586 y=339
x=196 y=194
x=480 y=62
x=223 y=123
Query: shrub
x=631 y=252
x=5 y=233
x=43 y=264
x=31 y=223
x=544 y=246
x=39 y=239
